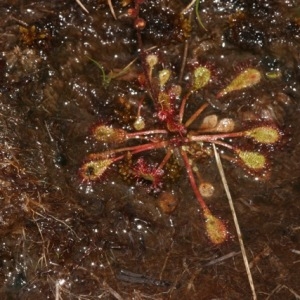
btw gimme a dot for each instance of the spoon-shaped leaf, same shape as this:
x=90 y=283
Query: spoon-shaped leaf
x=108 y=134
x=215 y=228
x=201 y=77
x=245 y=79
x=94 y=169
x=264 y=134
x=164 y=75
x=252 y=160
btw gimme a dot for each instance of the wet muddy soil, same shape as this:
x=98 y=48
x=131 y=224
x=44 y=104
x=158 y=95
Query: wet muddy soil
x=63 y=237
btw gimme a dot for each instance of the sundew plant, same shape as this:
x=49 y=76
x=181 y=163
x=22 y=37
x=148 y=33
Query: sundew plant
x=181 y=137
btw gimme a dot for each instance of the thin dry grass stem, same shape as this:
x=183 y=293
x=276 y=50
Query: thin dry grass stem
x=109 y=264
x=111 y=291
x=191 y=285
x=236 y=223
x=184 y=58
x=95 y=277
x=57 y=290
x=48 y=131
x=62 y=292
x=266 y=252
x=112 y=9
x=123 y=71
x=166 y=260
x=29 y=202
x=279 y=288
x=188 y=7
x=222 y=258
x=43 y=259
x=138 y=295
x=10 y=160
x=82 y=6
x=60 y=221
x=295 y=251
x=21 y=22
x=64 y=223
x=115 y=75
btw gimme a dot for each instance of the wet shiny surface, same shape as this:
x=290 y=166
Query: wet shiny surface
x=112 y=239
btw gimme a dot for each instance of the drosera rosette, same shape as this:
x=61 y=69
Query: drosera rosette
x=175 y=135
x=177 y=131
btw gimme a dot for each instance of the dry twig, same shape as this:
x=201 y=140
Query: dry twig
x=112 y=9
x=279 y=288
x=236 y=223
x=82 y=6
x=222 y=258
